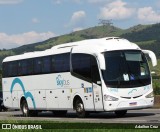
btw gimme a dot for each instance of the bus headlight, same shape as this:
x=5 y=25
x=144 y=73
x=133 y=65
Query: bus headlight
x=110 y=98
x=151 y=95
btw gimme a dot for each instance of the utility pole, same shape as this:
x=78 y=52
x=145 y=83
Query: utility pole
x=105 y=23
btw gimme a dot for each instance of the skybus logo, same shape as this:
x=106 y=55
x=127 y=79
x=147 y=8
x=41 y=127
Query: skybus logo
x=62 y=82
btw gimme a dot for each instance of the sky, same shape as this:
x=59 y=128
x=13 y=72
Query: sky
x=28 y=21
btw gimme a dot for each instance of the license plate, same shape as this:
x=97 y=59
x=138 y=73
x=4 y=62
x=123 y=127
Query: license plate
x=133 y=103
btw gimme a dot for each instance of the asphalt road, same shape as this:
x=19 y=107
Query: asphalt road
x=133 y=116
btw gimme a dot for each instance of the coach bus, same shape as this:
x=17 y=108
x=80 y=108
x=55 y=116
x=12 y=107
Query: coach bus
x=96 y=75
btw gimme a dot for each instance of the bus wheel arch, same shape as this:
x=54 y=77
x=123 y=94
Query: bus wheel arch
x=78 y=105
x=25 y=109
x=77 y=97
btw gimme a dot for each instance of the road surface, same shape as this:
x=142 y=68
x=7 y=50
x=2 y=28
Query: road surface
x=133 y=116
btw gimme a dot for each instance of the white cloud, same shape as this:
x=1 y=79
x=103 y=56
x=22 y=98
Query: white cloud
x=147 y=14
x=116 y=10
x=10 y=1
x=35 y=20
x=57 y=2
x=77 y=29
x=78 y=18
x=77 y=21
x=77 y=1
x=98 y=1
x=11 y=41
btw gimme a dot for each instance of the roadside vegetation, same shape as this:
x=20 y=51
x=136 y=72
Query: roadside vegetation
x=49 y=126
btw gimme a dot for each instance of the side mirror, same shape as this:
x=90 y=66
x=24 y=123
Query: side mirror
x=102 y=61
x=152 y=56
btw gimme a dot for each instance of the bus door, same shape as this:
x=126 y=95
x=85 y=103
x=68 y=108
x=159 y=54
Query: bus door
x=96 y=85
x=85 y=68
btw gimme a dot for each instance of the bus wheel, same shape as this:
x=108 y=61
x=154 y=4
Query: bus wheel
x=120 y=113
x=60 y=113
x=80 y=109
x=24 y=108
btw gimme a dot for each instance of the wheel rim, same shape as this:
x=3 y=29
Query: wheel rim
x=25 y=109
x=79 y=108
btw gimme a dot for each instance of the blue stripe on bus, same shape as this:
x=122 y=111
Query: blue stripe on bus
x=26 y=94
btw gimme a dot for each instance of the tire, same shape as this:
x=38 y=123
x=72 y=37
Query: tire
x=120 y=113
x=24 y=108
x=60 y=113
x=79 y=107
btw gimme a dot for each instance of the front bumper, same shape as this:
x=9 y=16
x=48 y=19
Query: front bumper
x=128 y=104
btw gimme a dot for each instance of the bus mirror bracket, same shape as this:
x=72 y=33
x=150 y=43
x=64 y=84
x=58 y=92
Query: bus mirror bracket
x=152 y=56
x=102 y=61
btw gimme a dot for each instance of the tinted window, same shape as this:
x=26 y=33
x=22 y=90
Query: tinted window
x=12 y=68
x=40 y=65
x=22 y=67
x=5 y=69
x=81 y=65
x=126 y=69
x=37 y=65
x=30 y=68
x=95 y=71
x=46 y=64
x=60 y=63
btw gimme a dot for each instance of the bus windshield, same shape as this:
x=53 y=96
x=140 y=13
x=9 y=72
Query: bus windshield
x=126 y=69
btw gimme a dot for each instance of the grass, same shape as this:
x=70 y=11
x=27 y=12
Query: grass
x=87 y=130
x=69 y=127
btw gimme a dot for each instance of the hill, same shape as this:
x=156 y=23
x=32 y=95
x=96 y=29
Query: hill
x=146 y=36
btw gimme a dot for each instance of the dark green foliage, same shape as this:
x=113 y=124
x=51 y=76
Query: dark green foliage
x=150 y=33
x=155 y=47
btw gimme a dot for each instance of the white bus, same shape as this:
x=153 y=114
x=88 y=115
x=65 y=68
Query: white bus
x=107 y=74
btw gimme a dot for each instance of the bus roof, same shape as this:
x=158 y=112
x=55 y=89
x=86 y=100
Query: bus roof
x=90 y=46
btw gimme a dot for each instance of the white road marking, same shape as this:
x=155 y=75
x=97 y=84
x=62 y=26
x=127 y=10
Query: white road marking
x=131 y=120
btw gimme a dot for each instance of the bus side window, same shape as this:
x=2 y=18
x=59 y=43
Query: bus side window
x=53 y=64
x=37 y=66
x=12 y=69
x=60 y=63
x=5 y=69
x=46 y=64
x=95 y=71
x=30 y=69
x=19 y=67
x=22 y=67
x=81 y=66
